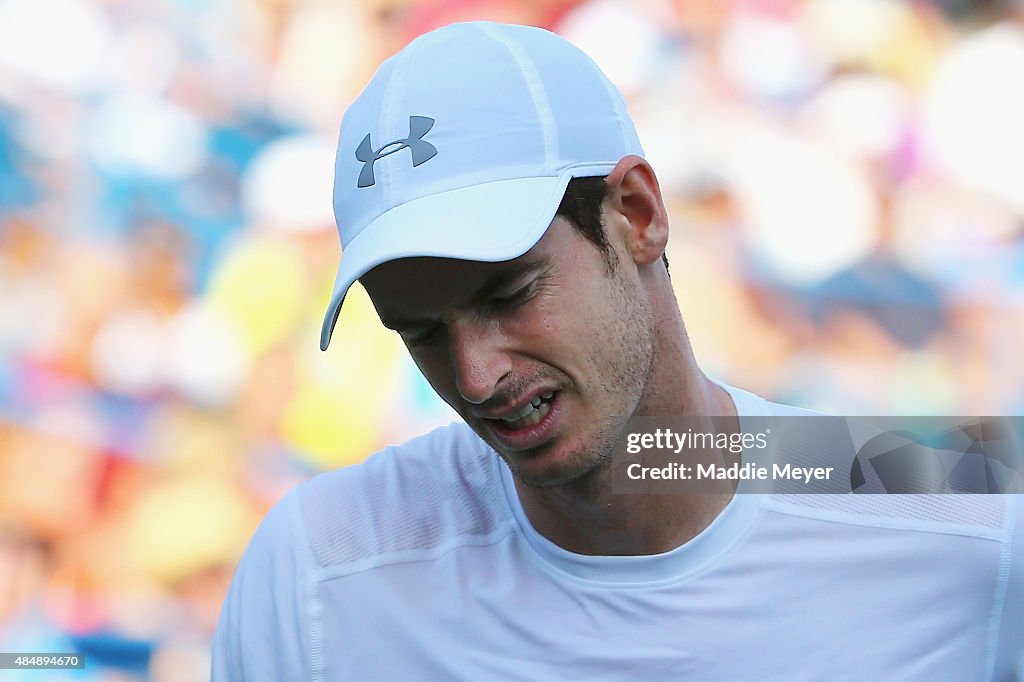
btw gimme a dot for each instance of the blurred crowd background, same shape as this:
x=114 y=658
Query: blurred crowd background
x=846 y=185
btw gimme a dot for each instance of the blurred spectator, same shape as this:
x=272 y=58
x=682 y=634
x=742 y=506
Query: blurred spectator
x=844 y=179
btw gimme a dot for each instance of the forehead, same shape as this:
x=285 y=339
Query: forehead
x=411 y=281
x=414 y=282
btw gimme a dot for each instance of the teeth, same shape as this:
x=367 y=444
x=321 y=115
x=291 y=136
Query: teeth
x=515 y=416
x=531 y=413
x=532 y=416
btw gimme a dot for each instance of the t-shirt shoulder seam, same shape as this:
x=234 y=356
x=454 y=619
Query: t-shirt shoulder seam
x=507 y=527
x=308 y=563
x=891 y=523
x=297 y=521
x=1002 y=585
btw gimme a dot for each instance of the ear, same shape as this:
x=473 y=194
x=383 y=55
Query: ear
x=638 y=209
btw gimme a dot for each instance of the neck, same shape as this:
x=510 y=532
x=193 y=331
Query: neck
x=585 y=516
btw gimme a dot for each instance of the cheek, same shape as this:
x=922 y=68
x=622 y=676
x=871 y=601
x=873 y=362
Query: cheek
x=576 y=317
x=557 y=331
x=541 y=327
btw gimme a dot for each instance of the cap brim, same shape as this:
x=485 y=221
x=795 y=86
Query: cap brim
x=493 y=221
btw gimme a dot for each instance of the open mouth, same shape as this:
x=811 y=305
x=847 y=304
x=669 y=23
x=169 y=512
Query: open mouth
x=530 y=415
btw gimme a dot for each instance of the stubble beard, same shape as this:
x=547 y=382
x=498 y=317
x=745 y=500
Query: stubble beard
x=626 y=372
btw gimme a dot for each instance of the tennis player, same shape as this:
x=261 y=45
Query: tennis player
x=492 y=196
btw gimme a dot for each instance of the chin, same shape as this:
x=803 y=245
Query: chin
x=573 y=466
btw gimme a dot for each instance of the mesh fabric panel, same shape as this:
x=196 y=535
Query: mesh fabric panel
x=984 y=511
x=439 y=489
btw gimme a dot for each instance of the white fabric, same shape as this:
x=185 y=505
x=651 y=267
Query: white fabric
x=515 y=112
x=419 y=564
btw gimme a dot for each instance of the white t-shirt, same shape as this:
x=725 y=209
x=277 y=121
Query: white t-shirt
x=420 y=564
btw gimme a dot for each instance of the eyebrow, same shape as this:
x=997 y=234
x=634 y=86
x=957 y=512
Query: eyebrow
x=490 y=287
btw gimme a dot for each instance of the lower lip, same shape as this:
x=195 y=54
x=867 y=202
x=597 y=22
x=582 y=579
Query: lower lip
x=528 y=436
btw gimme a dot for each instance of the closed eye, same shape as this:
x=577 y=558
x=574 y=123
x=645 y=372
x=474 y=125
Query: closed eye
x=510 y=298
x=520 y=295
x=419 y=336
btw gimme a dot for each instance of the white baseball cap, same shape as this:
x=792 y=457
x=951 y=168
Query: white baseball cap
x=462 y=144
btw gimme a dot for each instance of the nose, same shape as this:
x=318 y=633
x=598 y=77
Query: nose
x=478 y=354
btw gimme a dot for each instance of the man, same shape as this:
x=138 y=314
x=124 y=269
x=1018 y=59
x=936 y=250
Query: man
x=535 y=298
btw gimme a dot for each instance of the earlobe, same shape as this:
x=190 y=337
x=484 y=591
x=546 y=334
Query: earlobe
x=636 y=196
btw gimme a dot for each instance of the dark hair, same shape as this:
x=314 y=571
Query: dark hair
x=581 y=206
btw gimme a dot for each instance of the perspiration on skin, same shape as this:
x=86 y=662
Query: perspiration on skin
x=606 y=338
x=561 y=322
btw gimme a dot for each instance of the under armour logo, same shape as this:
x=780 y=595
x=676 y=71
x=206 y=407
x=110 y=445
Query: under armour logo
x=420 y=149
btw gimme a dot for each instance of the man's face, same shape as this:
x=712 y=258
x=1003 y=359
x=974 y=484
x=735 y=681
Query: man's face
x=544 y=356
